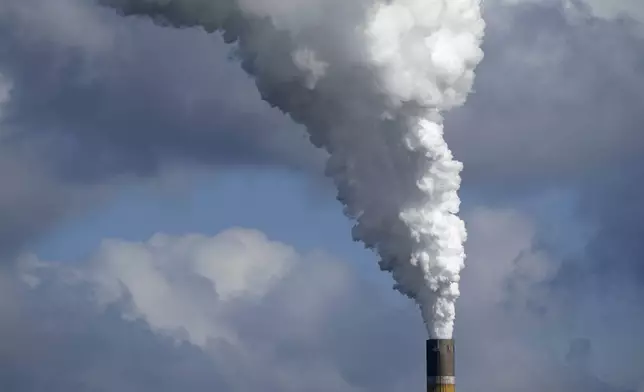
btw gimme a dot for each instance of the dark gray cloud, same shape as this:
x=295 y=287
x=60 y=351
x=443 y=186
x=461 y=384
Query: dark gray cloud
x=88 y=97
x=58 y=341
x=558 y=98
x=558 y=103
x=599 y=289
x=594 y=149
x=32 y=199
x=122 y=94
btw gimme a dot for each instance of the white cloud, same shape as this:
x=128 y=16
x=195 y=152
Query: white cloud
x=184 y=286
x=256 y=307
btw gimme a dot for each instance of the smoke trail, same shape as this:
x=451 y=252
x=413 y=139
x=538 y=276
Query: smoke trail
x=369 y=80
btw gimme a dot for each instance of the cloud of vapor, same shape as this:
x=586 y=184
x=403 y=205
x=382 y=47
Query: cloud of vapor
x=239 y=311
x=372 y=98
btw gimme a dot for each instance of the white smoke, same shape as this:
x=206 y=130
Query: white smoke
x=369 y=80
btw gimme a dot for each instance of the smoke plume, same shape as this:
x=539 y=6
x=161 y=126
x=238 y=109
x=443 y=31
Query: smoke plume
x=369 y=79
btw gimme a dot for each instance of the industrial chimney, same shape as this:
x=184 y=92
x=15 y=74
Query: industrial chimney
x=440 y=365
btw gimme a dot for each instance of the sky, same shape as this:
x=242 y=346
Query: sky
x=163 y=228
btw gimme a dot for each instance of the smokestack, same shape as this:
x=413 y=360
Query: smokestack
x=440 y=365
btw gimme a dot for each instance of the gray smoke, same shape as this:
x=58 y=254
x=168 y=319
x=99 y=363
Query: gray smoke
x=369 y=79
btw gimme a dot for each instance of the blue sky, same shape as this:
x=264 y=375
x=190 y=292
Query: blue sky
x=284 y=204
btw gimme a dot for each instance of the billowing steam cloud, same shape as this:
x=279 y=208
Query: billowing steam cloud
x=369 y=80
